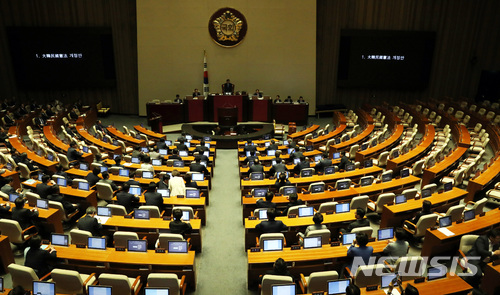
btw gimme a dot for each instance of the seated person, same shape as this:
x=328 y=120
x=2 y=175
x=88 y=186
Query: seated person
x=196 y=92
x=137 y=153
x=344 y=160
x=301 y=100
x=352 y=290
x=293 y=200
x=118 y=161
x=317 y=219
x=90 y=223
x=228 y=87
x=181 y=146
x=25 y=217
x=304 y=163
x=271 y=225
x=98 y=159
x=73 y=154
x=360 y=254
x=409 y=290
x=190 y=182
x=278 y=167
x=198 y=167
x=256 y=167
x=486 y=248
x=396 y=249
x=175 y=155
x=323 y=163
x=250 y=147
x=267 y=203
x=46 y=188
x=8 y=187
x=277 y=99
x=200 y=148
x=288 y=99
x=282 y=181
x=161 y=144
x=250 y=158
x=152 y=197
x=93 y=177
x=178 y=99
x=39 y=260
x=257 y=93
x=177 y=226
x=280 y=269
x=272 y=146
x=360 y=221
x=146 y=164
x=176 y=184
x=105 y=179
x=126 y=199
x=4 y=208
x=297 y=154
x=426 y=209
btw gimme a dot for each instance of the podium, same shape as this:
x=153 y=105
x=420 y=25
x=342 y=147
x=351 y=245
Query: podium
x=156 y=123
x=227 y=117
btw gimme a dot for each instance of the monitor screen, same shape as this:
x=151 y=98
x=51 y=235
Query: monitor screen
x=342 y=208
x=405 y=172
x=123 y=172
x=318 y=158
x=163 y=152
x=290 y=150
x=306 y=173
x=306 y=211
x=144 y=149
x=134 y=190
x=206 y=153
x=97 y=243
x=348 y=238
x=135 y=160
x=13 y=197
x=365 y=181
x=445 y=221
x=438 y=272
x=178 y=163
x=84 y=166
x=156 y=291
x=309 y=148
x=1 y=284
x=296 y=161
x=147 y=174
x=40 y=175
x=116 y=156
x=337 y=141
x=59 y=240
x=50 y=157
x=105 y=139
x=400 y=199
x=338 y=286
x=189 y=137
x=368 y=163
x=177 y=247
x=386 y=177
x=271 y=153
x=44 y=288
x=85 y=149
x=273 y=245
x=448 y=186
x=317 y=188
x=336 y=155
x=168 y=142
x=426 y=192
x=103 y=211
x=288 y=289
x=207 y=138
x=329 y=170
x=183 y=153
x=103 y=168
x=99 y=290
x=141 y=214
x=84 y=186
x=247 y=153
x=192 y=194
x=42 y=204
x=187 y=144
x=469 y=215
x=386 y=279
x=185 y=216
x=156 y=162
x=197 y=176
x=312 y=242
x=349 y=167
x=343 y=184
x=262 y=214
x=257 y=176
x=289 y=190
x=115 y=142
x=137 y=245
x=164 y=192
x=385 y=234
x=285 y=142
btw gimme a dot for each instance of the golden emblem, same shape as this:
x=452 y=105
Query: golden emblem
x=227 y=27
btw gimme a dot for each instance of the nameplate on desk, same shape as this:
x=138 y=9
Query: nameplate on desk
x=433 y=228
x=292 y=215
x=252 y=218
x=127 y=216
x=371 y=288
x=120 y=249
x=372 y=239
x=459 y=221
x=82 y=246
x=160 y=250
x=278 y=194
x=255 y=249
x=180 y=196
x=329 y=212
x=335 y=244
x=482 y=214
x=331 y=189
x=419 y=280
x=295 y=247
x=166 y=218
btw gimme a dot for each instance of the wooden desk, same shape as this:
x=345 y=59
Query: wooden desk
x=51 y=218
x=415 y=154
x=306 y=260
x=491 y=279
x=323 y=139
x=394 y=215
x=395 y=185
x=16 y=143
x=301 y=134
x=284 y=157
x=128 y=263
x=116 y=178
x=92 y=140
x=49 y=133
x=443 y=167
x=372 y=152
x=89 y=198
x=6 y=254
x=171 y=113
x=153 y=227
x=151 y=134
x=125 y=137
x=284 y=113
x=14 y=175
x=448 y=286
x=437 y=242
x=355 y=140
x=483 y=180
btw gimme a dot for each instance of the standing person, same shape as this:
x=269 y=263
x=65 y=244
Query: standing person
x=176 y=184
x=90 y=223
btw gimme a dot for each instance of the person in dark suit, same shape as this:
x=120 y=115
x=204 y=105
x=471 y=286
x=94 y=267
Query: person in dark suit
x=105 y=179
x=362 y=251
x=267 y=203
x=485 y=250
x=297 y=153
x=251 y=158
x=278 y=167
x=90 y=223
x=277 y=99
x=175 y=155
x=304 y=163
x=426 y=209
x=228 y=87
x=132 y=181
x=201 y=147
x=359 y=222
x=282 y=181
x=152 y=197
x=280 y=269
x=256 y=167
x=25 y=217
x=293 y=200
x=189 y=181
x=198 y=167
x=161 y=144
x=344 y=160
x=257 y=93
x=44 y=189
x=181 y=146
x=137 y=153
x=93 y=177
x=163 y=184
x=73 y=154
x=271 y=225
x=126 y=199
x=8 y=187
x=39 y=260
x=196 y=92
x=9 y=118
x=178 y=99
x=4 y=208
x=323 y=163
x=288 y=99
x=301 y=100
x=177 y=226
x=74 y=113
x=182 y=137
x=249 y=147
x=272 y=146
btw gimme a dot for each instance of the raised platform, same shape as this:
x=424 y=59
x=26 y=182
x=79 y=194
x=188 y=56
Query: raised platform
x=244 y=132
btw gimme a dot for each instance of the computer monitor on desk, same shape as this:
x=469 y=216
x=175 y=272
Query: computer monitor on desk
x=273 y=245
x=100 y=290
x=347 y=239
x=284 y=289
x=338 y=286
x=385 y=234
x=156 y=291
